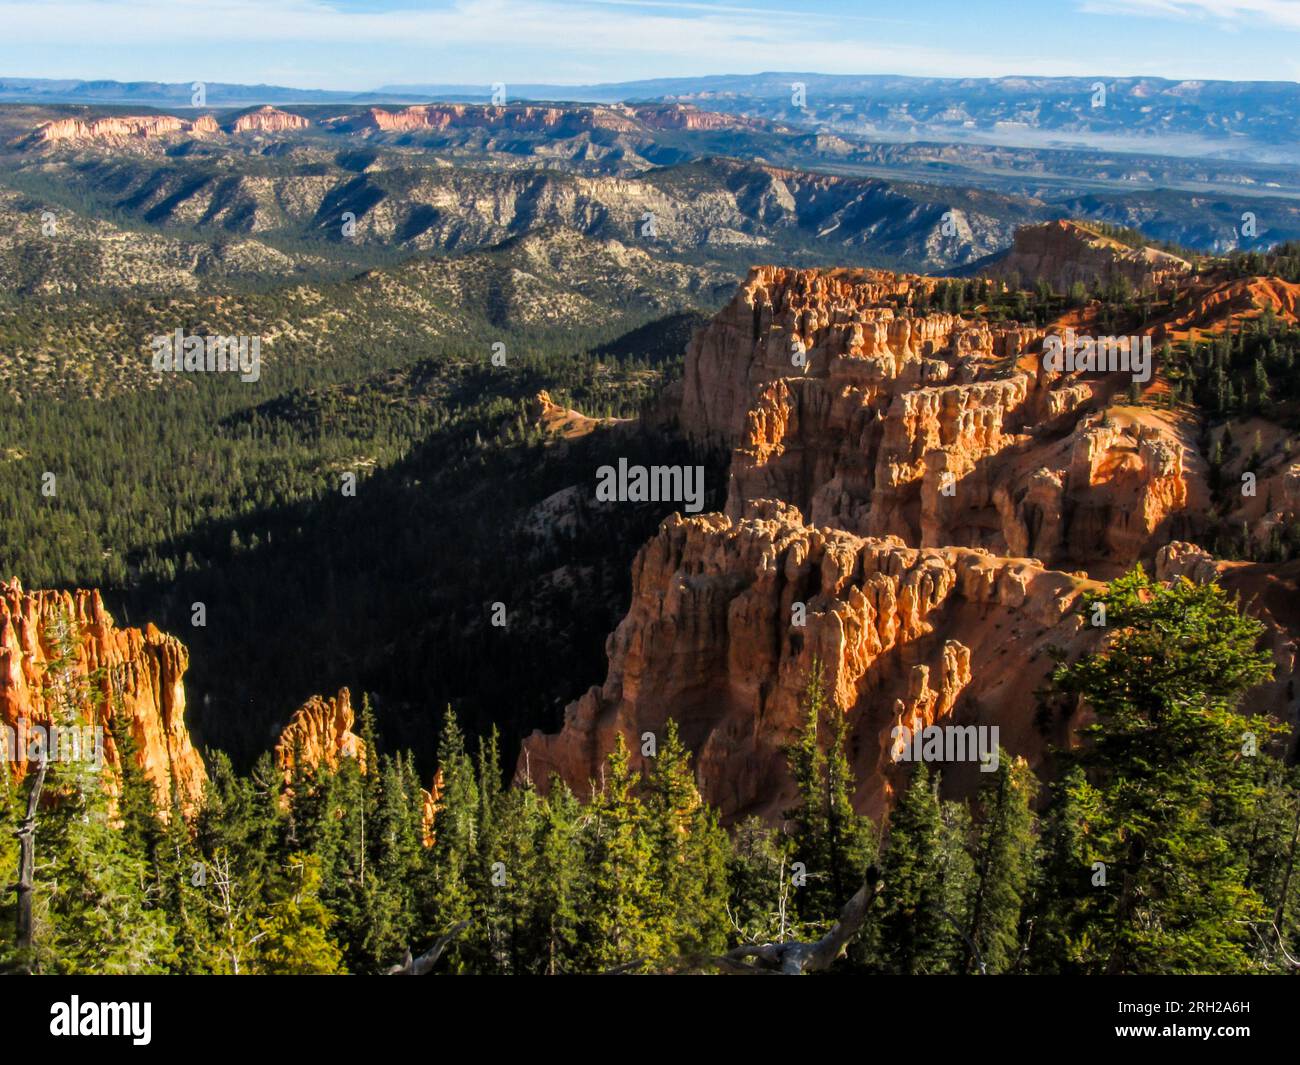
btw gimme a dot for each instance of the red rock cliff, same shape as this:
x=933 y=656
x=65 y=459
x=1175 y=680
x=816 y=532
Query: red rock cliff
x=1064 y=252
x=320 y=733
x=137 y=673
x=947 y=635
x=939 y=428
x=949 y=481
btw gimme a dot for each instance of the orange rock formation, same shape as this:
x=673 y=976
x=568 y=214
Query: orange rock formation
x=116 y=129
x=135 y=673
x=268 y=119
x=1064 y=252
x=949 y=482
x=320 y=733
x=940 y=429
x=713 y=639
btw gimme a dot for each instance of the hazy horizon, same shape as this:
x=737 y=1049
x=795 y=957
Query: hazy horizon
x=355 y=46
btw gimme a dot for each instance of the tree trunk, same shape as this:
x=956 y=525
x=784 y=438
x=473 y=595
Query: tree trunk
x=27 y=869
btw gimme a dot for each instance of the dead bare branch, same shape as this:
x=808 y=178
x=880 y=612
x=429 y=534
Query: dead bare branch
x=795 y=958
x=424 y=964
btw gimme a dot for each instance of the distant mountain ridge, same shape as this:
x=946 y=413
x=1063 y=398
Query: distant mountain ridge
x=1242 y=119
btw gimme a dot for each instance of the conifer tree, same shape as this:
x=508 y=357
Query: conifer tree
x=834 y=844
x=1169 y=759
x=452 y=859
x=1061 y=888
x=915 y=932
x=1005 y=849
x=238 y=834
x=762 y=906
x=1269 y=844
x=292 y=937
x=616 y=928
x=559 y=871
x=689 y=853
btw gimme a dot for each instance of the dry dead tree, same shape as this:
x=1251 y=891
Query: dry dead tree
x=795 y=958
x=422 y=965
x=27 y=867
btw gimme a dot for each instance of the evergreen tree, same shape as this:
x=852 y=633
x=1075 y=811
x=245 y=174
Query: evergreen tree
x=1166 y=759
x=762 y=903
x=1061 y=893
x=915 y=931
x=452 y=859
x=616 y=928
x=293 y=936
x=559 y=870
x=689 y=853
x=834 y=843
x=1005 y=849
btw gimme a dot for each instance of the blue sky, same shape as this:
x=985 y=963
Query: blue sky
x=361 y=44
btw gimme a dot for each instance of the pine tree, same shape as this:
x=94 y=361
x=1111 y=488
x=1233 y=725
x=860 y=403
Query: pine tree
x=452 y=859
x=1269 y=844
x=1166 y=759
x=559 y=871
x=915 y=932
x=616 y=929
x=762 y=903
x=1061 y=894
x=689 y=853
x=1004 y=861
x=179 y=872
x=293 y=938
x=835 y=844
x=239 y=836
x=516 y=881
x=394 y=860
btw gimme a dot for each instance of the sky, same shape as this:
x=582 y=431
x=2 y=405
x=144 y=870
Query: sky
x=356 y=45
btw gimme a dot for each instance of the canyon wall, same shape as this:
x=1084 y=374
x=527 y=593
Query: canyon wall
x=118 y=131
x=132 y=672
x=1065 y=252
x=914 y=502
x=728 y=617
x=944 y=430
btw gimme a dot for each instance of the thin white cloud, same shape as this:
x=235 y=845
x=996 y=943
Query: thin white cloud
x=1284 y=13
x=553 y=41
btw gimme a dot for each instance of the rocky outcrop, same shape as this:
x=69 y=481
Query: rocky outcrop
x=563 y=422
x=105 y=672
x=117 y=128
x=527 y=118
x=960 y=496
x=684 y=116
x=939 y=428
x=1065 y=252
x=268 y=119
x=714 y=639
x=320 y=734
x=439 y=117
